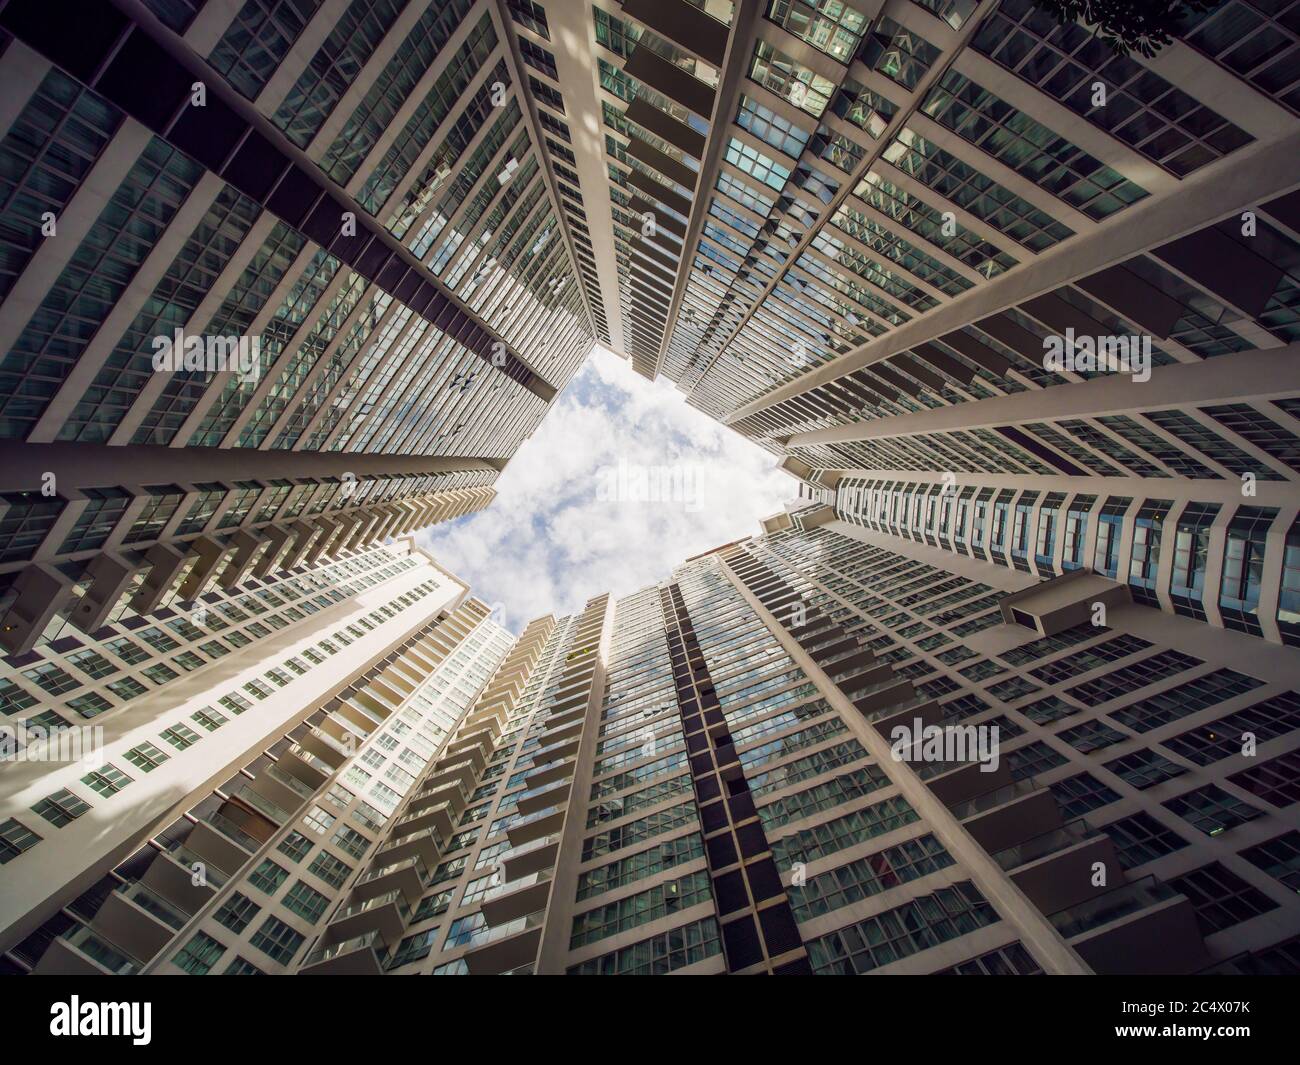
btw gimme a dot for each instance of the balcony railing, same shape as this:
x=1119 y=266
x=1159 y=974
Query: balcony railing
x=429 y=837
x=989 y=800
x=262 y=804
x=213 y=876
x=847 y=645
x=891 y=709
x=392 y=898
x=336 y=744
x=855 y=671
x=540 y=769
x=511 y=886
x=1040 y=846
x=231 y=831
x=416 y=862
x=105 y=954
x=289 y=781
x=527 y=848
x=373 y=940
x=1118 y=902
x=552 y=749
x=539 y=815
x=154 y=904
x=555 y=786
x=481 y=937
x=314 y=760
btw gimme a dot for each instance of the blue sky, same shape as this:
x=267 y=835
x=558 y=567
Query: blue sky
x=622 y=481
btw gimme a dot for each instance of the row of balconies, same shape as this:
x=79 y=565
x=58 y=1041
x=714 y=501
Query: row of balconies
x=181 y=570
x=158 y=889
x=171 y=879
x=357 y=937
x=515 y=909
x=1115 y=927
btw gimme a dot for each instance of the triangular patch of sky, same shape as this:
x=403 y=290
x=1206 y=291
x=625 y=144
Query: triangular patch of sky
x=622 y=482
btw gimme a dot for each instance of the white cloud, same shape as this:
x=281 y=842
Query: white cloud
x=554 y=537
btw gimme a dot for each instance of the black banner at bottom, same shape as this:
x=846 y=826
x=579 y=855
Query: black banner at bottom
x=173 y=1014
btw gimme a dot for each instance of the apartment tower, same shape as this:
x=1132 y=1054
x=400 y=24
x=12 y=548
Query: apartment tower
x=881 y=240
x=828 y=749
x=279 y=281
x=315 y=700
x=707 y=776
x=1012 y=688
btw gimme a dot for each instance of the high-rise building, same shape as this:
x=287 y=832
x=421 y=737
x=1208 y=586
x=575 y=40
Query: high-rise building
x=702 y=777
x=278 y=279
x=824 y=749
x=816 y=216
x=860 y=233
x=1013 y=687
x=313 y=699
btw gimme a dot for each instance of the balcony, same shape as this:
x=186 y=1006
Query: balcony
x=1023 y=814
x=159 y=908
x=422 y=843
x=378 y=700
x=465 y=772
x=440 y=819
x=515 y=898
x=816 y=630
x=306 y=766
x=480 y=740
x=563 y=749
x=858 y=682
x=326 y=748
x=862 y=667
x=290 y=783
x=174 y=882
x=574 y=696
x=546 y=772
x=491 y=712
x=361 y=715
x=387 y=914
x=835 y=650
x=191 y=862
x=1145 y=927
x=82 y=951
x=542 y=823
x=259 y=803
x=885 y=701
x=542 y=796
x=960 y=784
x=408 y=876
x=562 y=733
x=569 y=715
x=362 y=956
x=530 y=857
x=219 y=844
x=1054 y=868
x=452 y=792
x=138 y=921
x=506 y=946
x=886 y=718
